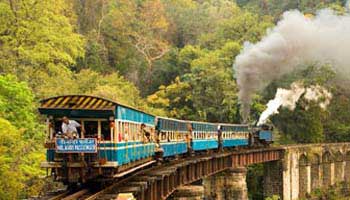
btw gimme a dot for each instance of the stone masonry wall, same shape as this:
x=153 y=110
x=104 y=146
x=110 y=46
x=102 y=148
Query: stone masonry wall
x=272 y=179
x=230 y=184
x=308 y=167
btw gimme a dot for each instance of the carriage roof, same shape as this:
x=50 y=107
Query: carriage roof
x=170 y=124
x=93 y=107
x=234 y=127
x=204 y=126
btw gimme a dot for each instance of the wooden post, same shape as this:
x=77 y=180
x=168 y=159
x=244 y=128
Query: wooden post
x=82 y=129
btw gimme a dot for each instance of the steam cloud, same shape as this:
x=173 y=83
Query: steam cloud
x=289 y=98
x=283 y=97
x=294 y=42
x=318 y=94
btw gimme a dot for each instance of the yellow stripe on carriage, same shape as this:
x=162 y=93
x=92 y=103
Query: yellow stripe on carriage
x=79 y=102
x=56 y=103
x=65 y=101
x=48 y=103
x=103 y=104
x=89 y=105
x=85 y=102
x=97 y=104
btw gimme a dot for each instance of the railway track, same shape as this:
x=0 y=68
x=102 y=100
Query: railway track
x=87 y=193
x=133 y=182
x=122 y=185
x=159 y=182
x=110 y=191
x=54 y=195
x=65 y=195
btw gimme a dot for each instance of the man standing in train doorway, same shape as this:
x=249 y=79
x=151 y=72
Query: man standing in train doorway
x=220 y=138
x=145 y=134
x=69 y=128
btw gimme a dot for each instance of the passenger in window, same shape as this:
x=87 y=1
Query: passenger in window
x=105 y=130
x=91 y=129
x=168 y=138
x=220 y=138
x=69 y=128
x=163 y=136
x=126 y=134
x=145 y=134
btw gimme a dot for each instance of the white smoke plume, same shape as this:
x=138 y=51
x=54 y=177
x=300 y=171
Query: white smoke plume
x=284 y=98
x=289 y=98
x=318 y=94
x=295 y=41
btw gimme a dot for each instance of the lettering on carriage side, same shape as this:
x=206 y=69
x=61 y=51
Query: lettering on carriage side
x=86 y=145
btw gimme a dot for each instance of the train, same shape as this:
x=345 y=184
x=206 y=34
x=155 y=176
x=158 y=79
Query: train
x=113 y=140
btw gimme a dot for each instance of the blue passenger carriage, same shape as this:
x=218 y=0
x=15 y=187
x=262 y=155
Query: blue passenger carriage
x=234 y=135
x=204 y=136
x=111 y=139
x=172 y=135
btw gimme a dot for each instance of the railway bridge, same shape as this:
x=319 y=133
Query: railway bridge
x=290 y=172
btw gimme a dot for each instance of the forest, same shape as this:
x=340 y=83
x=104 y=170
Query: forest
x=168 y=57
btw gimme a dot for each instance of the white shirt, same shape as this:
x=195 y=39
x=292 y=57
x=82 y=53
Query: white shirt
x=71 y=127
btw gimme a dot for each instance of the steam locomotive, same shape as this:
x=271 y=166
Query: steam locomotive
x=114 y=139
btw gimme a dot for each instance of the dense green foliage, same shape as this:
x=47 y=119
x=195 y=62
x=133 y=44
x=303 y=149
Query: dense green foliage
x=338 y=191
x=255 y=175
x=168 y=57
x=21 y=147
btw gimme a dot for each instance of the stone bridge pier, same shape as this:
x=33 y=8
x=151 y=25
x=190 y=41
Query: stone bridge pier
x=227 y=185
x=305 y=168
x=230 y=184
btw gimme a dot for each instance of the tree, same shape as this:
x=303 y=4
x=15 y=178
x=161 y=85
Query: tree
x=149 y=39
x=207 y=91
x=242 y=26
x=115 y=87
x=11 y=177
x=37 y=39
x=21 y=140
x=213 y=88
x=136 y=28
x=184 y=21
x=92 y=15
x=175 y=99
x=17 y=104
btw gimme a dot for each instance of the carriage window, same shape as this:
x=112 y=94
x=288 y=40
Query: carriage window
x=105 y=130
x=168 y=136
x=91 y=129
x=57 y=127
x=163 y=136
